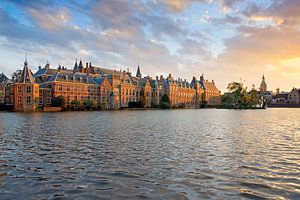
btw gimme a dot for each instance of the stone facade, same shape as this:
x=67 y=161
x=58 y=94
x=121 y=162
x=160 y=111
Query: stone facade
x=106 y=89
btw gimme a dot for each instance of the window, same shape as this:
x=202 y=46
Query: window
x=28 y=99
x=28 y=89
x=19 y=89
x=40 y=101
x=59 y=87
x=48 y=100
x=19 y=100
x=68 y=88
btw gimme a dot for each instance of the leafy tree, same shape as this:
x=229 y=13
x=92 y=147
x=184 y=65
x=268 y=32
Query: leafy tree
x=75 y=104
x=165 y=104
x=58 y=101
x=16 y=75
x=89 y=104
x=165 y=98
x=238 y=97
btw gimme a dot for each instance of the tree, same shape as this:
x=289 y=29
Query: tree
x=165 y=98
x=238 y=97
x=75 y=104
x=58 y=101
x=16 y=75
x=165 y=104
x=89 y=104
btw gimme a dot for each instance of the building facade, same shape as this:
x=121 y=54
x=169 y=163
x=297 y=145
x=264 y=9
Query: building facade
x=294 y=96
x=105 y=89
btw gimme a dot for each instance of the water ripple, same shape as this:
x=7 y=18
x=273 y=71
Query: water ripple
x=178 y=154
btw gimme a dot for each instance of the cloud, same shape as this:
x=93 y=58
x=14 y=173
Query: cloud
x=237 y=38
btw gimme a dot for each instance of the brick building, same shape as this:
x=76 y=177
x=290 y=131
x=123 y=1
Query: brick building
x=105 y=88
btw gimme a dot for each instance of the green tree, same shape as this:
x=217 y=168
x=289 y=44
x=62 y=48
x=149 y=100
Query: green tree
x=75 y=104
x=58 y=101
x=165 y=98
x=16 y=76
x=165 y=104
x=89 y=104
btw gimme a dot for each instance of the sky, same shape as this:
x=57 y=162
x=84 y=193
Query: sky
x=226 y=40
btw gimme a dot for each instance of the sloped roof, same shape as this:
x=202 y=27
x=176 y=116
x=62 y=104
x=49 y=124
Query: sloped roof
x=65 y=77
x=210 y=86
x=3 y=78
x=26 y=76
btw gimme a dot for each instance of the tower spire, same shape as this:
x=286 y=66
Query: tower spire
x=138 y=72
x=25 y=62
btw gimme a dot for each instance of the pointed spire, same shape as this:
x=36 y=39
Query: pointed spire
x=76 y=65
x=202 y=77
x=25 y=62
x=138 y=73
x=26 y=76
x=80 y=64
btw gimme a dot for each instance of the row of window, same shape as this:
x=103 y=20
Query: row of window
x=81 y=88
x=27 y=89
x=28 y=100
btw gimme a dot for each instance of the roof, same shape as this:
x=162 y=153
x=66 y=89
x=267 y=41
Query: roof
x=210 y=86
x=26 y=76
x=281 y=95
x=78 y=77
x=3 y=78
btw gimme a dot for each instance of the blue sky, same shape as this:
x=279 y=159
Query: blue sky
x=227 y=40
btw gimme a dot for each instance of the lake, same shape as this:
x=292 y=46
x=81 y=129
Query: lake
x=151 y=154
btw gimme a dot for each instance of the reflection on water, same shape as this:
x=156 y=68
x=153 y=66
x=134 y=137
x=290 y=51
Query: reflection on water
x=179 y=154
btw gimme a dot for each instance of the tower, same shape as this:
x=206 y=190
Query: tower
x=138 y=72
x=26 y=91
x=76 y=65
x=263 y=85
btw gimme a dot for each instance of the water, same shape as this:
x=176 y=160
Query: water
x=178 y=154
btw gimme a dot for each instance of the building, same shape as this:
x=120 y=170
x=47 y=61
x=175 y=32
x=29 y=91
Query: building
x=105 y=89
x=294 y=96
x=281 y=98
x=263 y=85
x=26 y=91
x=3 y=82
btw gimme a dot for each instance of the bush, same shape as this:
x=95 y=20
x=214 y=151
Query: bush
x=58 y=101
x=89 y=105
x=165 y=98
x=165 y=105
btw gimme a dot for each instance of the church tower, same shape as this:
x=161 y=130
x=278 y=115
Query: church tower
x=138 y=72
x=26 y=91
x=263 y=85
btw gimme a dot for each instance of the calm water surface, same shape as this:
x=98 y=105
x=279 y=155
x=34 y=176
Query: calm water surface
x=179 y=154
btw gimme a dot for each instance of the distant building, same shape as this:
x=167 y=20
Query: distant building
x=294 y=96
x=107 y=89
x=263 y=85
x=3 y=83
x=281 y=98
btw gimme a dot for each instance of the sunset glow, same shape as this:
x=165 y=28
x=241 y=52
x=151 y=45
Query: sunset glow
x=227 y=40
